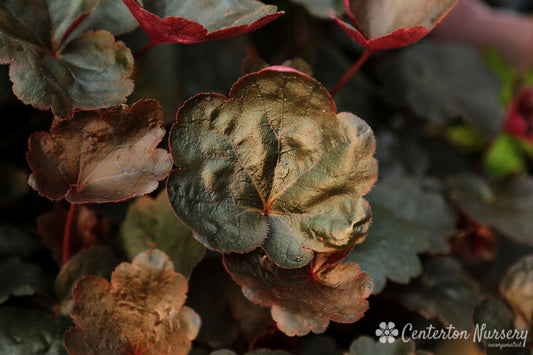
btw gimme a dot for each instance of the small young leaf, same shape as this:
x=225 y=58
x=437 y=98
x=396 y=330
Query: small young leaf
x=51 y=68
x=387 y=25
x=24 y=331
x=170 y=21
x=365 y=345
x=303 y=299
x=441 y=82
x=100 y=157
x=443 y=291
x=87 y=230
x=517 y=288
x=140 y=312
x=273 y=166
x=411 y=201
x=18 y=278
x=494 y=314
x=508 y=206
x=151 y=223
x=390 y=251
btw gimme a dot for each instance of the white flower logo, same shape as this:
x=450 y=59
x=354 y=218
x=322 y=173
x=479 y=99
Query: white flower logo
x=386 y=332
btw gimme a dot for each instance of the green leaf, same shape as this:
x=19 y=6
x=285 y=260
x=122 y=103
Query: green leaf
x=517 y=288
x=444 y=291
x=47 y=70
x=365 y=345
x=390 y=250
x=495 y=315
x=151 y=223
x=506 y=206
x=415 y=202
x=274 y=166
x=18 y=278
x=505 y=157
x=25 y=331
x=441 y=82
x=96 y=261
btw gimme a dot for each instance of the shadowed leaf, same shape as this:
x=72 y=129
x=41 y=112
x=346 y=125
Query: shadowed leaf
x=100 y=157
x=140 y=312
x=169 y=21
x=26 y=331
x=303 y=299
x=18 y=278
x=323 y=8
x=517 y=288
x=274 y=166
x=508 y=206
x=390 y=251
x=88 y=229
x=441 y=82
x=51 y=68
x=386 y=24
x=151 y=223
x=16 y=241
x=253 y=352
x=365 y=345
x=444 y=291
x=410 y=200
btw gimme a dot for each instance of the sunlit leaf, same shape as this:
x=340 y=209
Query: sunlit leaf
x=390 y=251
x=274 y=166
x=100 y=157
x=303 y=299
x=444 y=291
x=25 y=331
x=151 y=223
x=87 y=229
x=190 y=22
x=51 y=68
x=517 y=288
x=392 y=24
x=140 y=312
x=506 y=206
x=18 y=278
x=410 y=199
x=441 y=82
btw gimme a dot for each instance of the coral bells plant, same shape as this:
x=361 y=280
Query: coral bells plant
x=191 y=186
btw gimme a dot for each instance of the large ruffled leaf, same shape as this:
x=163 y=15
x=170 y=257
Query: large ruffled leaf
x=392 y=24
x=140 y=312
x=100 y=157
x=151 y=223
x=506 y=206
x=303 y=299
x=52 y=68
x=273 y=165
x=169 y=21
x=390 y=251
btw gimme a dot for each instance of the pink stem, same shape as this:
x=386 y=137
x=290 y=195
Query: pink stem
x=367 y=53
x=66 y=233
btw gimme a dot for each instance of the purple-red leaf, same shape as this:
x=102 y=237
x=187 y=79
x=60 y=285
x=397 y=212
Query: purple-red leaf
x=385 y=24
x=519 y=121
x=140 y=312
x=100 y=157
x=170 y=21
x=303 y=299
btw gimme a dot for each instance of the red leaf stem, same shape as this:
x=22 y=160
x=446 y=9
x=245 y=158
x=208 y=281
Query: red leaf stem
x=366 y=54
x=66 y=234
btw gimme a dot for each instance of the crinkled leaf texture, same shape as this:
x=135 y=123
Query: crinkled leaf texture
x=169 y=21
x=517 y=288
x=273 y=165
x=388 y=24
x=100 y=157
x=151 y=223
x=52 y=68
x=390 y=251
x=140 y=312
x=303 y=299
